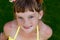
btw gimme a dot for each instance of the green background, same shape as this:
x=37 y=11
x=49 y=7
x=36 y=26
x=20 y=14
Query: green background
x=51 y=15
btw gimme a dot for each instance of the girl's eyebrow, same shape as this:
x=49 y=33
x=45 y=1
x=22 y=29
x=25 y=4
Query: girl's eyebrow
x=32 y=14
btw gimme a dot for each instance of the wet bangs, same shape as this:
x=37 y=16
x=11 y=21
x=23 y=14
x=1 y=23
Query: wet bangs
x=23 y=9
x=22 y=6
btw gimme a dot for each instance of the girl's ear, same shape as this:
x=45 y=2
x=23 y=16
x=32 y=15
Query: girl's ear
x=40 y=14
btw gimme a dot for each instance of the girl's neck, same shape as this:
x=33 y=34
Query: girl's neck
x=33 y=33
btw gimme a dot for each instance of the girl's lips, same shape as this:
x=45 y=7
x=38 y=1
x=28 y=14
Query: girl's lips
x=27 y=27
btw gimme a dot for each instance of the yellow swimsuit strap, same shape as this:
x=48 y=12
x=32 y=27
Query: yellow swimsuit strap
x=15 y=34
x=18 y=31
x=38 y=33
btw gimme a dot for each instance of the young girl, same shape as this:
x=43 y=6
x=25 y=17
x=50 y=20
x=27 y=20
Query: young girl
x=27 y=24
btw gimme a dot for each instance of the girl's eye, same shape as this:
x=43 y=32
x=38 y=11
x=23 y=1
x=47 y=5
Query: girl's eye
x=31 y=16
x=20 y=18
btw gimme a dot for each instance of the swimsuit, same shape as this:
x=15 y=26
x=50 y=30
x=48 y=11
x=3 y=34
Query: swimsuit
x=10 y=38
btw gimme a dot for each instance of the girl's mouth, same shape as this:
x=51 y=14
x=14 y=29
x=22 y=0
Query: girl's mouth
x=27 y=27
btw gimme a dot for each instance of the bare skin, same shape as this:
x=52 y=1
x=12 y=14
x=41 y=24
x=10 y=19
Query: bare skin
x=2 y=36
x=11 y=27
x=29 y=21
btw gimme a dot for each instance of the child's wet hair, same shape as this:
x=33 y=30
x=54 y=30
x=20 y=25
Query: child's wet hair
x=31 y=5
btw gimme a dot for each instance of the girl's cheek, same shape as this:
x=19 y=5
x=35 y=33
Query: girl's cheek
x=20 y=21
x=35 y=21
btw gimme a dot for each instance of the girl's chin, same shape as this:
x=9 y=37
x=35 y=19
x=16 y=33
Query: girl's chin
x=27 y=30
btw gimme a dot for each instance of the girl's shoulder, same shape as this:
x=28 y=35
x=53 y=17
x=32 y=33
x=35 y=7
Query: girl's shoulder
x=45 y=31
x=8 y=27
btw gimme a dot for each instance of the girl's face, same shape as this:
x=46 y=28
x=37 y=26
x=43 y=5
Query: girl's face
x=28 y=20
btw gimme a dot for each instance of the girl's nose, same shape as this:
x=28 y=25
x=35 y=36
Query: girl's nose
x=27 y=23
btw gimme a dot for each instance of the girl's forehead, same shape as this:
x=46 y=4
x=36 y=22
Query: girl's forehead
x=26 y=13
